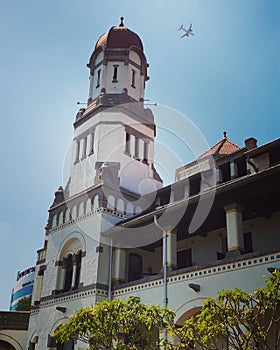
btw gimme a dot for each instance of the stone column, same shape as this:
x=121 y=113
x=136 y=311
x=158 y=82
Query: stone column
x=171 y=249
x=235 y=239
x=74 y=271
x=119 y=262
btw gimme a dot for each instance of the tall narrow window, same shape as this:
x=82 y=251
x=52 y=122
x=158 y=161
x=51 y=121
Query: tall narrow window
x=98 y=78
x=84 y=147
x=184 y=258
x=91 y=145
x=127 y=143
x=69 y=273
x=146 y=155
x=135 y=267
x=248 y=244
x=136 y=148
x=115 y=73
x=77 y=156
x=133 y=78
x=78 y=268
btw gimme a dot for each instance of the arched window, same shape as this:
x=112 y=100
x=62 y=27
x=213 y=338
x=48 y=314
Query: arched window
x=74 y=212
x=135 y=266
x=68 y=273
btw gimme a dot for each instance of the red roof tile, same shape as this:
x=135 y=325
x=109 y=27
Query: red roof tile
x=223 y=147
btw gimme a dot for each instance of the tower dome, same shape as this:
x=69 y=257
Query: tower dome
x=119 y=37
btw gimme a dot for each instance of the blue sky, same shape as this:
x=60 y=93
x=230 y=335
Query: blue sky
x=226 y=77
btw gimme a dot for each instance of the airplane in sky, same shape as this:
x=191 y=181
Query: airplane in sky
x=188 y=32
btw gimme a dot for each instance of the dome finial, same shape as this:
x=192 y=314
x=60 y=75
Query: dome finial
x=121 y=24
x=225 y=134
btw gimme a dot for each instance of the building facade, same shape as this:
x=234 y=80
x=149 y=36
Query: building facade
x=115 y=231
x=23 y=287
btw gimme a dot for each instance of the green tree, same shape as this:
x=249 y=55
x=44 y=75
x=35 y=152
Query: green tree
x=237 y=320
x=24 y=304
x=117 y=324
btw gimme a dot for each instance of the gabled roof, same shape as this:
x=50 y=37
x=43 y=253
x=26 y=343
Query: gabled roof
x=223 y=147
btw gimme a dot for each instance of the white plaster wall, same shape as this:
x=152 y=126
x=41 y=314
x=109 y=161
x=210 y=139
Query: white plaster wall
x=93 y=90
x=261 y=162
x=181 y=298
x=87 y=233
x=109 y=146
x=265 y=232
x=114 y=87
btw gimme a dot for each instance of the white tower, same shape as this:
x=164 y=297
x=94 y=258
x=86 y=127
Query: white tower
x=112 y=164
x=115 y=131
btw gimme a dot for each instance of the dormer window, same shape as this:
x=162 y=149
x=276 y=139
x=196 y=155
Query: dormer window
x=115 y=73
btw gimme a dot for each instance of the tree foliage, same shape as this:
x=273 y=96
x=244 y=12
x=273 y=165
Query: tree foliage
x=237 y=320
x=24 y=304
x=117 y=324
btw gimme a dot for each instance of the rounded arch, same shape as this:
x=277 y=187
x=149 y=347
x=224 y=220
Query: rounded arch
x=60 y=218
x=129 y=208
x=188 y=309
x=58 y=323
x=81 y=210
x=54 y=221
x=88 y=206
x=12 y=341
x=71 y=244
x=111 y=202
x=70 y=261
x=74 y=212
x=67 y=215
x=120 y=205
x=95 y=201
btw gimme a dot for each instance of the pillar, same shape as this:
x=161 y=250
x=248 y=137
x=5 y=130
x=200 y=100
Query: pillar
x=74 y=272
x=235 y=240
x=119 y=262
x=171 y=249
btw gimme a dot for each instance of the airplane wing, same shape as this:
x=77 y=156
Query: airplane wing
x=186 y=34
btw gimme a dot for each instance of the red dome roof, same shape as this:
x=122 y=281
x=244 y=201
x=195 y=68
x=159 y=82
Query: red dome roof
x=119 y=37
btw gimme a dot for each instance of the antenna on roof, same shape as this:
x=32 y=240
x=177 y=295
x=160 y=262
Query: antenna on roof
x=225 y=134
x=121 y=24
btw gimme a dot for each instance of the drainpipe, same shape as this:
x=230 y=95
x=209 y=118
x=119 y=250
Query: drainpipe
x=110 y=270
x=164 y=263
